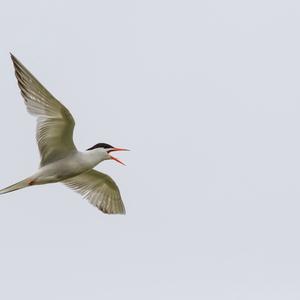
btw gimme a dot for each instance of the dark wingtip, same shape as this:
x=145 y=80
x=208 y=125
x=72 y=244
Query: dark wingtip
x=14 y=59
x=12 y=56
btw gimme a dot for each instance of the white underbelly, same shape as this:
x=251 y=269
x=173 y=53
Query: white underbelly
x=63 y=169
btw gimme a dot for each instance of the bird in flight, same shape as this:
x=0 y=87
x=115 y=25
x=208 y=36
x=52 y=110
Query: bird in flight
x=60 y=159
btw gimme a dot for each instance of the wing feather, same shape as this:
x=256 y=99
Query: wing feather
x=99 y=189
x=55 y=124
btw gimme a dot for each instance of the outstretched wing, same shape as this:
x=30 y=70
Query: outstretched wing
x=99 y=189
x=55 y=123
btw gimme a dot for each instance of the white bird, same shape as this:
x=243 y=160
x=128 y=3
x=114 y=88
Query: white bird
x=60 y=159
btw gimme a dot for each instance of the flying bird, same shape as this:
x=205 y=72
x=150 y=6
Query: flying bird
x=60 y=159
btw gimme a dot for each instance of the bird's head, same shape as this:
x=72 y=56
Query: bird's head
x=107 y=149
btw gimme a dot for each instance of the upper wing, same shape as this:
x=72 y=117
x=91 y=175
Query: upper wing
x=55 y=123
x=99 y=189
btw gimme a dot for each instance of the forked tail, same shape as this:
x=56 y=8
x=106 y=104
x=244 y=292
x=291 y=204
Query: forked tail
x=16 y=186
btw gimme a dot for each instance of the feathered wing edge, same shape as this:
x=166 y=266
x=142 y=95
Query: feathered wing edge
x=99 y=189
x=55 y=123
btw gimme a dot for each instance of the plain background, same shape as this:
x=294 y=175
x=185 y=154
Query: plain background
x=206 y=95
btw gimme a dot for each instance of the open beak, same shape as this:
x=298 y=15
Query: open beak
x=114 y=158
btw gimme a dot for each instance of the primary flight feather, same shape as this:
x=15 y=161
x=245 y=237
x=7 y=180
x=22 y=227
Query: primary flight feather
x=60 y=159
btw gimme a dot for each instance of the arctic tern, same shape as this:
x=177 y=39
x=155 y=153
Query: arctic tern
x=60 y=159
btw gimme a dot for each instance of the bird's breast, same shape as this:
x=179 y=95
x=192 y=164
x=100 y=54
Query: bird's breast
x=67 y=167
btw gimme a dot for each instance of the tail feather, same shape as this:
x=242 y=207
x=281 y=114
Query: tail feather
x=20 y=185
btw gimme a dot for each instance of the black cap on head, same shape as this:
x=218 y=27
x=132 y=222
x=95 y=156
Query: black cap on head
x=101 y=145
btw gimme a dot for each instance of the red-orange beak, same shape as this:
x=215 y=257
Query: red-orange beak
x=114 y=158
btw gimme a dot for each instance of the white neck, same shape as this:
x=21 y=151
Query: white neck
x=95 y=156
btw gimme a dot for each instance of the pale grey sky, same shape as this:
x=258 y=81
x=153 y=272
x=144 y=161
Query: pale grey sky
x=207 y=96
